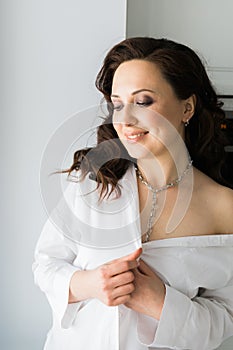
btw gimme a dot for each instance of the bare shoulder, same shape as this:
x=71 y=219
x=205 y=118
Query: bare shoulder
x=218 y=200
x=224 y=208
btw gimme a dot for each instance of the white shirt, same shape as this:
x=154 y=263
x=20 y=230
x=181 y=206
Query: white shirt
x=83 y=233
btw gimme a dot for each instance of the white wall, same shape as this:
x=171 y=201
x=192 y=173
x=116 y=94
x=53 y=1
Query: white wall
x=206 y=26
x=51 y=51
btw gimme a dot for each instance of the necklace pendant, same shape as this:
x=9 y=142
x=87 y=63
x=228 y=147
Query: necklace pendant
x=154 y=195
x=147 y=238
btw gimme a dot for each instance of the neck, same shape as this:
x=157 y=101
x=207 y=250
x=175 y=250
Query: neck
x=159 y=171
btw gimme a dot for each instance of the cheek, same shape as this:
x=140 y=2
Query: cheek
x=171 y=114
x=117 y=123
x=162 y=127
x=117 y=127
x=175 y=114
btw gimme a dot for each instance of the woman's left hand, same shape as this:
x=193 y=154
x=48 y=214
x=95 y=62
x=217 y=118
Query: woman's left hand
x=148 y=296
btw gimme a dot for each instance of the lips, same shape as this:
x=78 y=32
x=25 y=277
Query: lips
x=135 y=136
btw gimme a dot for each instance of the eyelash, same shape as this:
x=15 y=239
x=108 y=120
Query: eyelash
x=145 y=104
x=119 y=107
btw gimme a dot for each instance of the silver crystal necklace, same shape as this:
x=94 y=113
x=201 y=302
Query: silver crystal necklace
x=154 y=195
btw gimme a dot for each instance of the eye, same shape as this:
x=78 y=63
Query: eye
x=144 y=102
x=117 y=106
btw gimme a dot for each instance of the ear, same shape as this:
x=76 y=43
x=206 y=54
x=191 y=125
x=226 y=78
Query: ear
x=189 y=108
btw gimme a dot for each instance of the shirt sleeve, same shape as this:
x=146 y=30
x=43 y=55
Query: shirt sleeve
x=203 y=322
x=54 y=266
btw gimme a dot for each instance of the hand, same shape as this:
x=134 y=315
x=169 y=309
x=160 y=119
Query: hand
x=149 y=292
x=111 y=283
x=114 y=280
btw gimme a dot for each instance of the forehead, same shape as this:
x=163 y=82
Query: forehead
x=137 y=74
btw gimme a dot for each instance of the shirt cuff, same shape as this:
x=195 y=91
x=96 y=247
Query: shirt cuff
x=146 y=329
x=163 y=333
x=62 y=310
x=173 y=318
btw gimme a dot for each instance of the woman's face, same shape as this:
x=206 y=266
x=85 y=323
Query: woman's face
x=147 y=116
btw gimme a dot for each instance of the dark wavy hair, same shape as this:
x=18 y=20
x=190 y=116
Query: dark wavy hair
x=184 y=71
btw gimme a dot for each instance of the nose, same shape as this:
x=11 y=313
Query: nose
x=127 y=115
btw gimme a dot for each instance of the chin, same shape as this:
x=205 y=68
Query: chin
x=137 y=150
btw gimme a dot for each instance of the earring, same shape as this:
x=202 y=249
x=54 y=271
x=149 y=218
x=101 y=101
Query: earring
x=186 y=123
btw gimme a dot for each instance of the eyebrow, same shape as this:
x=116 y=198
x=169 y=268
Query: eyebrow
x=137 y=92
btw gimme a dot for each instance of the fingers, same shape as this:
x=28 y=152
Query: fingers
x=121 y=300
x=116 y=269
x=115 y=279
x=123 y=264
x=132 y=256
x=122 y=279
x=124 y=290
x=117 y=287
x=145 y=269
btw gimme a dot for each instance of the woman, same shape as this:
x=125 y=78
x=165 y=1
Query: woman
x=142 y=257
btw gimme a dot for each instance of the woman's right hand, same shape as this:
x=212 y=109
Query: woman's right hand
x=111 y=283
